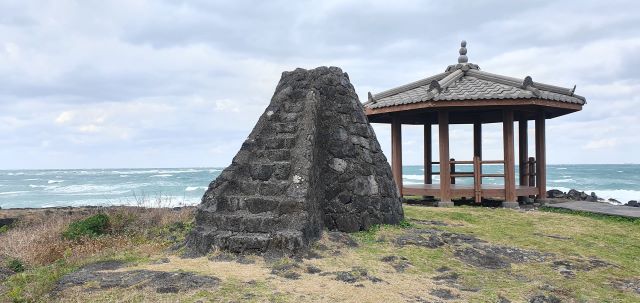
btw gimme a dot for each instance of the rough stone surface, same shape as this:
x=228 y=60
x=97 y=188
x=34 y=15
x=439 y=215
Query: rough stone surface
x=311 y=162
x=102 y=275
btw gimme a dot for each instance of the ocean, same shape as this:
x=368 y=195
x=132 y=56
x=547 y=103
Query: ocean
x=185 y=186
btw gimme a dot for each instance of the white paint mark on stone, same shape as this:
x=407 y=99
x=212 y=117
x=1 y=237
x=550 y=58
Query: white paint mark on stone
x=338 y=164
x=269 y=113
x=373 y=185
x=297 y=179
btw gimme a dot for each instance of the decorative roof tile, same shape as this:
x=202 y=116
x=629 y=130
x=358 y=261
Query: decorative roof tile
x=465 y=81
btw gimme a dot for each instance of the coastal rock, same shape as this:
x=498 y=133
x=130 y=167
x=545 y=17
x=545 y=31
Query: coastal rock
x=633 y=203
x=311 y=162
x=593 y=197
x=556 y=194
x=612 y=200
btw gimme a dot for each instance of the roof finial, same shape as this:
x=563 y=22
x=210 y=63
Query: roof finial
x=463 y=52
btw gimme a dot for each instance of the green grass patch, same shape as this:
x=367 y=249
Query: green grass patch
x=90 y=227
x=611 y=218
x=15 y=265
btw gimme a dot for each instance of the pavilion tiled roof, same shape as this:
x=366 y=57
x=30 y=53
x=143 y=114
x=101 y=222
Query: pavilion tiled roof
x=465 y=81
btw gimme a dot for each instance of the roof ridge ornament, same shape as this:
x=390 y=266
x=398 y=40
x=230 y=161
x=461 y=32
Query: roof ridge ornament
x=463 y=52
x=463 y=60
x=435 y=85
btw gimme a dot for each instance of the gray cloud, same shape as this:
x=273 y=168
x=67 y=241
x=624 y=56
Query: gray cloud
x=153 y=83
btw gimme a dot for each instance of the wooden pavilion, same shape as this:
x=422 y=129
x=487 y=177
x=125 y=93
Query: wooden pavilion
x=465 y=95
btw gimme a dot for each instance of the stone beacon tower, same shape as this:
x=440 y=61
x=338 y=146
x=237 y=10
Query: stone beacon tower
x=311 y=162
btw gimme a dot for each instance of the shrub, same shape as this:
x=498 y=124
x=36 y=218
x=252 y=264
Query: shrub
x=91 y=227
x=15 y=265
x=4 y=229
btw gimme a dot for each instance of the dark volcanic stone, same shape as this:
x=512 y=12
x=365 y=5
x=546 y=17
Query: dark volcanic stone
x=633 y=203
x=632 y=285
x=355 y=275
x=398 y=263
x=443 y=293
x=313 y=269
x=556 y=194
x=568 y=268
x=342 y=238
x=163 y=282
x=311 y=162
x=481 y=259
x=544 y=299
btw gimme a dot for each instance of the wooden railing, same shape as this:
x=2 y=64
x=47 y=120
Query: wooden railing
x=529 y=172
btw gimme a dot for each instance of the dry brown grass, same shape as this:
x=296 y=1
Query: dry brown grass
x=36 y=238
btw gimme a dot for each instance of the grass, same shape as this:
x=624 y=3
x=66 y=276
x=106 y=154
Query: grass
x=138 y=237
x=587 y=214
x=48 y=245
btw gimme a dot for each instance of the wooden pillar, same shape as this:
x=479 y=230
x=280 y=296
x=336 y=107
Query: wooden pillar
x=477 y=146
x=532 y=171
x=509 y=159
x=541 y=158
x=523 y=149
x=428 y=155
x=396 y=152
x=445 y=175
x=452 y=170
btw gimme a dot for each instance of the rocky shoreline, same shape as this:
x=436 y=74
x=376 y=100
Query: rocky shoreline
x=575 y=195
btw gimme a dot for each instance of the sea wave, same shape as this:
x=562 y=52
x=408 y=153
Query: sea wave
x=39 y=186
x=567 y=180
x=13 y=192
x=161 y=175
x=55 y=181
x=192 y=188
x=156 y=171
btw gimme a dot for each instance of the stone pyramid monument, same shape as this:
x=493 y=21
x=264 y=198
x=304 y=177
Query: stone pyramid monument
x=311 y=162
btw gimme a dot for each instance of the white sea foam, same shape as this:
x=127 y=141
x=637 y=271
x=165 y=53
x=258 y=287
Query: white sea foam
x=622 y=195
x=192 y=188
x=561 y=168
x=32 y=179
x=567 y=180
x=55 y=181
x=13 y=192
x=161 y=175
x=135 y=172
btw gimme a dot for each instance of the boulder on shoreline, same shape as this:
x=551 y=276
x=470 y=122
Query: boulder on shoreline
x=573 y=194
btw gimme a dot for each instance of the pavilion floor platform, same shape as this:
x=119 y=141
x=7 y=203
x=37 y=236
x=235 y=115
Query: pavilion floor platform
x=461 y=190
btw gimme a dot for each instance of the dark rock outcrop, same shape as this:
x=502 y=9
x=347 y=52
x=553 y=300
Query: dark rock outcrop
x=633 y=203
x=311 y=162
x=573 y=195
x=556 y=194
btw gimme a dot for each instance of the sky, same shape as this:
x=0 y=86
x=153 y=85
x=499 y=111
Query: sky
x=93 y=84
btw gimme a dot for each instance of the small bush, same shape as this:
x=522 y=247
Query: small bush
x=4 y=229
x=15 y=265
x=91 y=227
x=405 y=224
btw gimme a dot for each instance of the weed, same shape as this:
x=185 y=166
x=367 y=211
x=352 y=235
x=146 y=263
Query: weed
x=15 y=265
x=90 y=227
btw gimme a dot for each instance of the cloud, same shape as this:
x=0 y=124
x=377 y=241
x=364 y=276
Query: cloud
x=601 y=143
x=165 y=83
